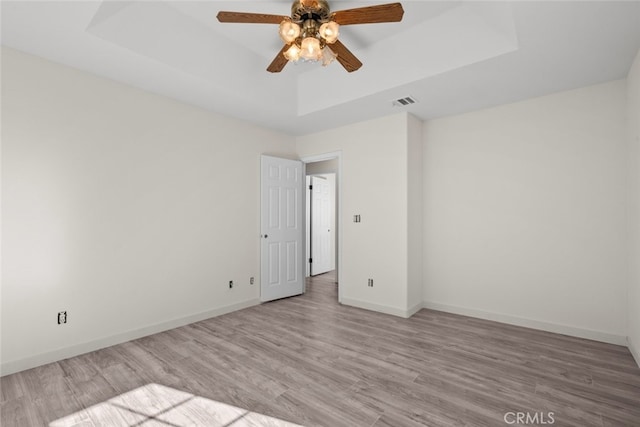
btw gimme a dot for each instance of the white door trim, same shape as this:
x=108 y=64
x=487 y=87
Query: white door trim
x=320 y=158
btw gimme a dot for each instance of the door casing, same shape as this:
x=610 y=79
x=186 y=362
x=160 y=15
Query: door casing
x=319 y=158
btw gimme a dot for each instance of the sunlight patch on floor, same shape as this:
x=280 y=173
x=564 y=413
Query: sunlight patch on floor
x=158 y=405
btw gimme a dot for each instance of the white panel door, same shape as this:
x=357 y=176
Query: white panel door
x=320 y=226
x=282 y=247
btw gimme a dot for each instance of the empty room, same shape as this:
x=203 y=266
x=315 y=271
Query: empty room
x=320 y=213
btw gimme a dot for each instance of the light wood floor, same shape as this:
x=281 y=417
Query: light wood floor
x=309 y=361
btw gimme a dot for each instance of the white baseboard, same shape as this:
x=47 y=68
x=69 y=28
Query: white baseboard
x=394 y=311
x=13 y=366
x=529 y=323
x=413 y=310
x=634 y=350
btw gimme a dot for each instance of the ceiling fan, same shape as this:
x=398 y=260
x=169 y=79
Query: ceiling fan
x=311 y=32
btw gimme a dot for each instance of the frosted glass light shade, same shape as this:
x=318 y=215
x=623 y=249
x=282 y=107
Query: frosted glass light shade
x=293 y=53
x=311 y=49
x=329 y=31
x=328 y=56
x=289 y=31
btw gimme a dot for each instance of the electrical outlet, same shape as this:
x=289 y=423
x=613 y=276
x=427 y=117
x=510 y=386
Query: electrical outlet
x=251 y=280
x=370 y=283
x=62 y=317
x=230 y=284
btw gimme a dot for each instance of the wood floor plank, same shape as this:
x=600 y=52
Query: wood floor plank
x=502 y=401
x=574 y=396
x=244 y=374
x=393 y=419
x=311 y=361
x=12 y=387
x=414 y=404
x=78 y=368
x=315 y=408
x=92 y=391
x=534 y=368
x=610 y=422
x=122 y=377
x=51 y=406
x=20 y=411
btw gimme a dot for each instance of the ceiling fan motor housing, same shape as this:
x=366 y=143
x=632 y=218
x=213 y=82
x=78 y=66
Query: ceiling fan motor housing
x=310 y=29
x=317 y=10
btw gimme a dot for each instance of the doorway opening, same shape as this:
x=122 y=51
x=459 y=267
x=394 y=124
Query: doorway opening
x=321 y=223
x=322 y=217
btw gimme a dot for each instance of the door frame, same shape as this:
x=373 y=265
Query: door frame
x=319 y=158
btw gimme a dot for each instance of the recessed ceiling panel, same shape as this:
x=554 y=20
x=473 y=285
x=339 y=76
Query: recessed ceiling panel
x=461 y=36
x=453 y=56
x=157 y=30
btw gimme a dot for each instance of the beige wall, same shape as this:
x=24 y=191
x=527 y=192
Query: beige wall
x=128 y=210
x=374 y=185
x=525 y=209
x=633 y=126
x=325 y=166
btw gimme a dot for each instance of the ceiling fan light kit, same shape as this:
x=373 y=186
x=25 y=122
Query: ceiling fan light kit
x=311 y=32
x=289 y=31
x=329 y=31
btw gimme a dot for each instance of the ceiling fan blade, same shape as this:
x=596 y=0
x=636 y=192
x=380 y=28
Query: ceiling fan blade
x=279 y=61
x=345 y=57
x=391 y=12
x=250 y=18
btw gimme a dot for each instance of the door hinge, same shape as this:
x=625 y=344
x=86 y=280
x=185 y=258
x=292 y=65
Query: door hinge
x=310 y=260
x=311 y=187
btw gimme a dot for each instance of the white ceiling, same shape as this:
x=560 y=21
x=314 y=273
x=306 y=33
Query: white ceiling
x=451 y=56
